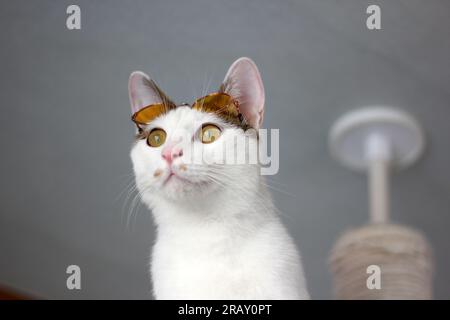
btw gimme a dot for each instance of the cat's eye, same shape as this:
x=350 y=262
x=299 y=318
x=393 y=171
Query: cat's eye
x=156 y=137
x=210 y=133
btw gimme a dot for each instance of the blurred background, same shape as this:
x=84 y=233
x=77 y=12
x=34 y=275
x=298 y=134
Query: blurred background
x=66 y=130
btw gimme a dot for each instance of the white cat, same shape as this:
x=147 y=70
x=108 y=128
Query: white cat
x=218 y=233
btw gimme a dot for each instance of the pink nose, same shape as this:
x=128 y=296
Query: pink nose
x=170 y=153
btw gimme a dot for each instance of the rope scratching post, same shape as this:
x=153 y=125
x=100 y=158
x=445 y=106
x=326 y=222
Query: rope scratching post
x=380 y=260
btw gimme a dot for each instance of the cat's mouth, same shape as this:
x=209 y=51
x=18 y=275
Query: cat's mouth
x=173 y=176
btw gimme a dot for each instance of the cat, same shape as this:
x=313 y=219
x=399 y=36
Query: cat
x=218 y=233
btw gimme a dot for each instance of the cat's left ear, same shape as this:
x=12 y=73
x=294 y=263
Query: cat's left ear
x=243 y=82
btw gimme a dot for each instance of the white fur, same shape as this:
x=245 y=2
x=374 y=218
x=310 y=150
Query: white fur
x=218 y=233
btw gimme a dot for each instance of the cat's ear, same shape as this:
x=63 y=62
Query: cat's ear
x=243 y=82
x=143 y=91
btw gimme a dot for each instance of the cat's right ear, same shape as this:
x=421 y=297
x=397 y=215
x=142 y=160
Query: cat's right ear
x=143 y=91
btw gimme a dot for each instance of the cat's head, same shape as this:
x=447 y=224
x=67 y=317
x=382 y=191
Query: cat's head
x=180 y=154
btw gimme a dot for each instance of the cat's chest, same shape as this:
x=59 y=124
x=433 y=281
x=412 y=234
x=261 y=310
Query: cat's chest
x=194 y=245
x=195 y=265
x=210 y=249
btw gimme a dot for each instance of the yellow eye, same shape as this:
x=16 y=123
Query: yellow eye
x=210 y=133
x=156 y=138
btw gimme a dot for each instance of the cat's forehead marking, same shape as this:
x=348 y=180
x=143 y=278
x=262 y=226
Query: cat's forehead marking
x=184 y=118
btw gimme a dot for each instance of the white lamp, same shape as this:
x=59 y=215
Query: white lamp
x=379 y=140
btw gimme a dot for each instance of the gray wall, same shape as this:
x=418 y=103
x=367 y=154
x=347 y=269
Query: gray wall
x=66 y=134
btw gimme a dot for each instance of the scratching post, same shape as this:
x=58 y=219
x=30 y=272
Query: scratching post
x=380 y=260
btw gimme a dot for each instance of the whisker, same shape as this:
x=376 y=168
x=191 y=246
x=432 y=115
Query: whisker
x=232 y=185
